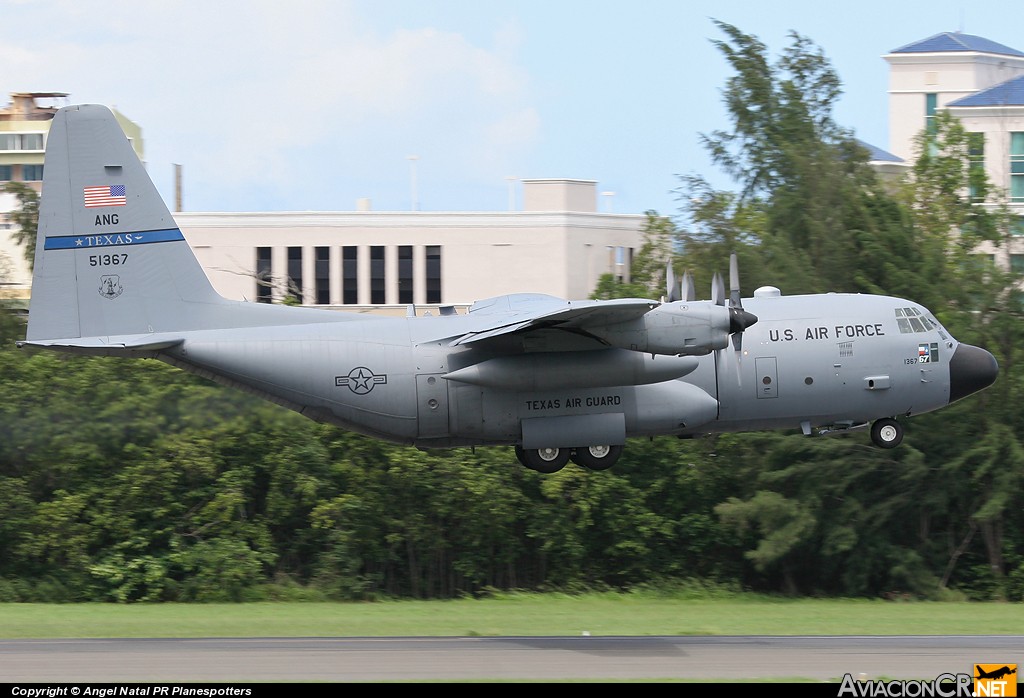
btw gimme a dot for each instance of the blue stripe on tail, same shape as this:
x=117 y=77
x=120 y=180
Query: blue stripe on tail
x=73 y=242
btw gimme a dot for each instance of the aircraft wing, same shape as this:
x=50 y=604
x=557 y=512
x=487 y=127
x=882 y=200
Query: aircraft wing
x=525 y=313
x=636 y=324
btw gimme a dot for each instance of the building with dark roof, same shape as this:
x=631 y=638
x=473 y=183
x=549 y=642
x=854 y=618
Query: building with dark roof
x=1005 y=94
x=949 y=42
x=951 y=70
x=979 y=81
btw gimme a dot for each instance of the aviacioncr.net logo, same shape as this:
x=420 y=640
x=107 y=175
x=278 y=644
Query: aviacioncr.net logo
x=943 y=686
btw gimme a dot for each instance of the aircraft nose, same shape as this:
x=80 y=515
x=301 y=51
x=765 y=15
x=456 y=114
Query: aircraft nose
x=971 y=369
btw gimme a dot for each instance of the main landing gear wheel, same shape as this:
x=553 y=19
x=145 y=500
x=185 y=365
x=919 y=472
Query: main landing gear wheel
x=596 y=457
x=543 y=460
x=887 y=433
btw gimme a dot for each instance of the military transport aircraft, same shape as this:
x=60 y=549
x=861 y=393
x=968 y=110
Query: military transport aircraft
x=555 y=379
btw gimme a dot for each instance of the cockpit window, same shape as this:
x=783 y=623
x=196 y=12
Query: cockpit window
x=911 y=320
x=935 y=324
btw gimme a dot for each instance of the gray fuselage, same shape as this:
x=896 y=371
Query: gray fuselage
x=826 y=360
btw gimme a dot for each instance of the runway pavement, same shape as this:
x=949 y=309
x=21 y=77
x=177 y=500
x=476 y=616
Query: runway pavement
x=501 y=658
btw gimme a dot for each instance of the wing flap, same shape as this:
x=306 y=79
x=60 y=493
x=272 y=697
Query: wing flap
x=572 y=316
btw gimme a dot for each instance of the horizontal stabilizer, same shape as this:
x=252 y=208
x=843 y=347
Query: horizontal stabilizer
x=108 y=345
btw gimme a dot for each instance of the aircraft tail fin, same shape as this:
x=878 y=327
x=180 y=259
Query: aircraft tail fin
x=110 y=259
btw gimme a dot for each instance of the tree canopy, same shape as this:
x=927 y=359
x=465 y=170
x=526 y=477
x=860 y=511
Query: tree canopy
x=25 y=217
x=131 y=481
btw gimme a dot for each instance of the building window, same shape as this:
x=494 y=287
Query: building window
x=1017 y=263
x=349 y=274
x=32 y=173
x=6 y=172
x=1017 y=167
x=433 y=273
x=930 y=105
x=295 y=274
x=377 y=275
x=264 y=276
x=976 y=171
x=323 y=275
x=405 y=274
x=21 y=141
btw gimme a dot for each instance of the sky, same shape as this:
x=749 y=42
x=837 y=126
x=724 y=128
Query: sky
x=314 y=104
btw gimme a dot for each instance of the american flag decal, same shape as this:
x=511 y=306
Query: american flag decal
x=106 y=195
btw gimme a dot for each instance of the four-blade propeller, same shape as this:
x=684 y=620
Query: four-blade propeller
x=739 y=319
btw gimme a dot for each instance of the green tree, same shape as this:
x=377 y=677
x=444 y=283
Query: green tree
x=780 y=113
x=26 y=217
x=648 y=268
x=960 y=217
x=809 y=208
x=811 y=216
x=11 y=327
x=829 y=516
x=945 y=185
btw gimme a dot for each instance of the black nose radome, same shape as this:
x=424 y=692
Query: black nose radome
x=971 y=369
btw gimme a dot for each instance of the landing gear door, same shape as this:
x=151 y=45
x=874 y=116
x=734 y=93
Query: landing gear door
x=766 y=371
x=432 y=406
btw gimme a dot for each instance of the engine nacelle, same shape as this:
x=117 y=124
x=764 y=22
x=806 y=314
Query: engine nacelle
x=692 y=328
x=573 y=369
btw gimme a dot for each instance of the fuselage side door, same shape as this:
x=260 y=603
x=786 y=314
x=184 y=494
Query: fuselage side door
x=767 y=372
x=432 y=406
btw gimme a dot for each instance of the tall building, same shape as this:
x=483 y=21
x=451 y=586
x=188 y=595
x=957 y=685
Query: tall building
x=980 y=82
x=24 y=126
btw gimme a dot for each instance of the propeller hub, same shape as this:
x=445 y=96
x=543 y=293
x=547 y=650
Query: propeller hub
x=740 y=320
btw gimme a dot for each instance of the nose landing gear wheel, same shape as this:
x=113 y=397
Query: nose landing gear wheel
x=887 y=433
x=543 y=460
x=596 y=457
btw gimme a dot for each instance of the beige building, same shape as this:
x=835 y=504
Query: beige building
x=558 y=244
x=24 y=126
x=981 y=83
